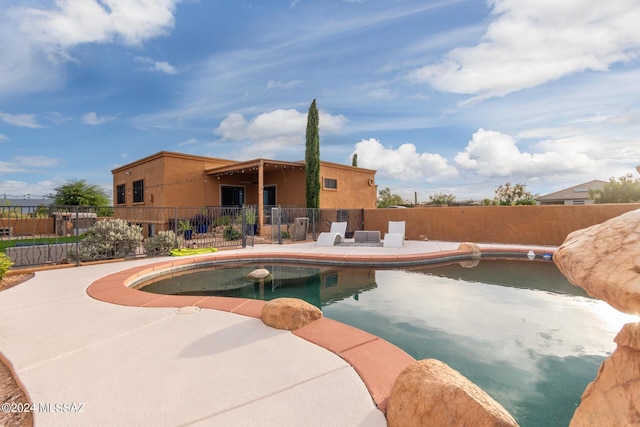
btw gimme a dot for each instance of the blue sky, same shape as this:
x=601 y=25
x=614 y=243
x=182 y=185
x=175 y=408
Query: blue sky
x=454 y=97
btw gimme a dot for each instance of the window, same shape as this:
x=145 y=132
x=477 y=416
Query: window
x=138 y=191
x=120 y=195
x=232 y=196
x=331 y=183
x=269 y=195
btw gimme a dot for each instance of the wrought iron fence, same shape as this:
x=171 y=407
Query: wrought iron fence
x=54 y=234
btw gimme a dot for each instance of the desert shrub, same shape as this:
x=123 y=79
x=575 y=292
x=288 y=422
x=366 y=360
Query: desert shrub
x=108 y=239
x=285 y=234
x=161 y=243
x=231 y=233
x=222 y=221
x=5 y=263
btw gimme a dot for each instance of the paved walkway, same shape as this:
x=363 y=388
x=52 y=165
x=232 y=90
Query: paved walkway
x=84 y=361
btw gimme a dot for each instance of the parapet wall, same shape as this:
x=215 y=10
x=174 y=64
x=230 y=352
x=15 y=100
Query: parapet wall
x=537 y=225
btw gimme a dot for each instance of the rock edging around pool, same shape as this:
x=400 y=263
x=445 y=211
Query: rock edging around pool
x=376 y=361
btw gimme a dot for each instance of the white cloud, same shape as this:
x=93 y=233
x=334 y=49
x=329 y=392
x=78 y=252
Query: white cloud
x=27 y=163
x=274 y=84
x=189 y=141
x=3 y=138
x=23 y=68
x=57 y=118
x=273 y=131
x=157 y=66
x=93 y=119
x=19 y=189
x=531 y=42
x=73 y=22
x=493 y=154
x=35 y=40
x=21 y=120
x=403 y=163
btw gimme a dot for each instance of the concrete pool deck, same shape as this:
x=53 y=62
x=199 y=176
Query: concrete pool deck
x=91 y=351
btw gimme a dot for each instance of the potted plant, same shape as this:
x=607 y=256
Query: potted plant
x=252 y=226
x=201 y=222
x=186 y=228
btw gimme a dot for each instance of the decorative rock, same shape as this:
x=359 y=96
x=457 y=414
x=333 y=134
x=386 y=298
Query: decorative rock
x=289 y=313
x=475 y=254
x=604 y=260
x=470 y=247
x=430 y=393
x=613 y=398
x=259 y=274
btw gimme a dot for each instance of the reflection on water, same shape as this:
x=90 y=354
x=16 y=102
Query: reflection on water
x=518 y=329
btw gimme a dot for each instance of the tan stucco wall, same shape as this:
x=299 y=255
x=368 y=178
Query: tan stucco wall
x=171 y=179
x=290 y=186
x=356 y=187
x=540 y=225
x=174 y=179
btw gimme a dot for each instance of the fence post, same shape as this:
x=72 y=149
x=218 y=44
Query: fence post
x=313 y=215
x=244 y=226
x=175 y=225
x=76 y=209
x=279 y=230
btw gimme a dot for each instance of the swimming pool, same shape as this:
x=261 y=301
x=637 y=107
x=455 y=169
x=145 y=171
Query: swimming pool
x=518 y=329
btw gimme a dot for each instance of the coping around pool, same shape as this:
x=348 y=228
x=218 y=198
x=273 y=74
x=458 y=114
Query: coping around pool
x=377 y=361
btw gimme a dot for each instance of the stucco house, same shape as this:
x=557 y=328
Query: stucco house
x=185 y=180
x=576 y=195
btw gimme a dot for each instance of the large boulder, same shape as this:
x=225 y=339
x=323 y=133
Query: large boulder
x=613 y=398
x=604 y=259
x=289 y=313
x=430 y=393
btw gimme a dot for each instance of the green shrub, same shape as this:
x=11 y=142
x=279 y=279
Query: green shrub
x=231 y=233
x=5 y=263
x=285 y=234
x=108 y=239
x=161 y=244
x=223 y=220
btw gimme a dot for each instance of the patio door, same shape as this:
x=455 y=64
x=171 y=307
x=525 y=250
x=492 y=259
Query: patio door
x=269 y=195
x=232 y=196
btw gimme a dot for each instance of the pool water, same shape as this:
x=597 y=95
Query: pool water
x=517 y=329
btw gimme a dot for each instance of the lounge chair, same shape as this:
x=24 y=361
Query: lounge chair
x=395 y=237
x=333 y=236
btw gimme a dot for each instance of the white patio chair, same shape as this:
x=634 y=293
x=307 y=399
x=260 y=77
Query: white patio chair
x=395 y=237
x=333 y=236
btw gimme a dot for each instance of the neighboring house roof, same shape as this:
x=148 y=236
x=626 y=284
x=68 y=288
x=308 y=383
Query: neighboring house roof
x=577 y=192
x=26 y=202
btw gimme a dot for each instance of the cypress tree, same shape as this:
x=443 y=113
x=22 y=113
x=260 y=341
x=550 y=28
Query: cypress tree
x=312 y=158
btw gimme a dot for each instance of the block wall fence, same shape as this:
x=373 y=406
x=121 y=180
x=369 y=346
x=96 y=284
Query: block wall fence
x=537 y=225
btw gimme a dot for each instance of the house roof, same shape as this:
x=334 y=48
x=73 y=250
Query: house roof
x=161 y=154
x=577 y=192
x=252 y=166
x=234 y=166
x=26 y=202
x=268 y=164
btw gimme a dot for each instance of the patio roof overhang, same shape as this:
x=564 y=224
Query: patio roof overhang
x=253 y=166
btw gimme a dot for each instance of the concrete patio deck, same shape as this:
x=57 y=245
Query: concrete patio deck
x=91 y=351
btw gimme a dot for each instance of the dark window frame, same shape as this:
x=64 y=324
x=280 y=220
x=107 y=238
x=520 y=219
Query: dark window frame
x=330 y=183
x=138 y=191
x=121 y=195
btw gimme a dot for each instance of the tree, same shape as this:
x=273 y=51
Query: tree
x=354 y=160
x=516 y=195
x=386 y=199
x=442 y=199
x=79 y=193
x=624 y=190
x=312 y=158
